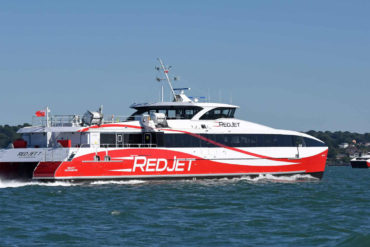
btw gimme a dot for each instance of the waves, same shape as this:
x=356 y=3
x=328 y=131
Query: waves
x=257 y=211
x=355 y=239
x=281 y=179
x=16 y=184
x=117 y=182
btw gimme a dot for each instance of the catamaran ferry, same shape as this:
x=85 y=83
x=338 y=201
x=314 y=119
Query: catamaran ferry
x=183 y=138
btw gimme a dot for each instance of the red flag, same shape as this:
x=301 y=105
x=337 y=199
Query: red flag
x=40 y=113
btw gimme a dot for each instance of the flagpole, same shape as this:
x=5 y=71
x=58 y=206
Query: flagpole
x=47 y=116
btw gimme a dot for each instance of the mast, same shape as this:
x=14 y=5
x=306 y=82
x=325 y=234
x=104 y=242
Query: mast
x=165 y=71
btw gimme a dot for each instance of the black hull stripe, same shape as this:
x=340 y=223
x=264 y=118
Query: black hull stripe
x=359 y=164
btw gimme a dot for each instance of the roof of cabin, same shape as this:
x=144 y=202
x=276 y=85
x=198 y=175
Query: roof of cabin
x=174 y=104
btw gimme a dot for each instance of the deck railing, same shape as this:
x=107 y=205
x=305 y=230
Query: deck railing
x=57 y=121
x=127 y=145
x=71 y=120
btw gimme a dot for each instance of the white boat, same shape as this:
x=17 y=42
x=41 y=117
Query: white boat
x=362 y=161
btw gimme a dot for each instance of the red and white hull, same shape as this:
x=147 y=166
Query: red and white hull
x=164 y=164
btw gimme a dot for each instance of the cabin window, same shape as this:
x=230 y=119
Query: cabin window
x=171 y=112
x=220 y=112
x=237 y=140
x=313 y=143
x=108 y=139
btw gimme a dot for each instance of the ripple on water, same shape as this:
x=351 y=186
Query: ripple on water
x=266 y=210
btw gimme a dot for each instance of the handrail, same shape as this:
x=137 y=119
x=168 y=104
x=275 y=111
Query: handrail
x=57 y=120
x=71 y=120
x=129 y=145
x=115 y=119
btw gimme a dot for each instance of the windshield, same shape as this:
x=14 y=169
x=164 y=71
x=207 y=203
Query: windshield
x=171 y=112
x=220 y=112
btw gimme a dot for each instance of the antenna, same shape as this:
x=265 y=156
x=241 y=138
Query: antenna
x=165 y=71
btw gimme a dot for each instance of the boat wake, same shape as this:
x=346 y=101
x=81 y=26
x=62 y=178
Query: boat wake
x=16 y=184
x=281 y=179
x=262 y=178
x=117 y=182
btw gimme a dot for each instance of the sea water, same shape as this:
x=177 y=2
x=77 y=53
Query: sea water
x=264 y=211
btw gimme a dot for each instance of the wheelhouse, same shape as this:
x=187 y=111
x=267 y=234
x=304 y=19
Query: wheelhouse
x=171 y=112
x=184 y=110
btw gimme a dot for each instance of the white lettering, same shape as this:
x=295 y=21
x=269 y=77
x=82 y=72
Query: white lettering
x=189 y=166
x=150 y=165
x=159 y=165
x=161 y=169
x=179 y=166
x=173 y=165
x=136 y=164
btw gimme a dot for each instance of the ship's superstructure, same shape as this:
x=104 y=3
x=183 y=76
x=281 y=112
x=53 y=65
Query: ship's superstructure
x=183 y=138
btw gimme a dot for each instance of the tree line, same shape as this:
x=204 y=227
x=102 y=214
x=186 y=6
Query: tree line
x=9 y=133
x=356 y=141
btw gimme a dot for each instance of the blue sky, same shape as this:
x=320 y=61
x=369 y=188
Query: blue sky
x=297 y=65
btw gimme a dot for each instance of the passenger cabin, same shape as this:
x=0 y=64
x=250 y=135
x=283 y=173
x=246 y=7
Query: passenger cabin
x=69 y=136
x=184 y=110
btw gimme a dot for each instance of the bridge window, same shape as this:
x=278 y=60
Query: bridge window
x=220 y=112
x=171 y=112
x=313 y=143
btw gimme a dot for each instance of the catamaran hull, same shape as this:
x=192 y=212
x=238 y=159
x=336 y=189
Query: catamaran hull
x=165 y=164
x=157 y=163
x=17 y=170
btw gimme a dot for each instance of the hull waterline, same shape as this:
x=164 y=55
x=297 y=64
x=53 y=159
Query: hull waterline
x=360 y=164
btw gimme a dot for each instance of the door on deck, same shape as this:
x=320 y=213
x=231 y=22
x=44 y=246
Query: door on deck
x=299 y=143
x=147 y=139
x=119 y=140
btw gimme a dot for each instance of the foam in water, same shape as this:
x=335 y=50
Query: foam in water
x=259 y=178
x=118 y=182
x=115 y=212
x=281 y=179
x=16 y=184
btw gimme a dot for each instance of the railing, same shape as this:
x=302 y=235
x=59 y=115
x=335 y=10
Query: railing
x=57 y=121
x=115 y=119
x=71 y=120
x=126 y=145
